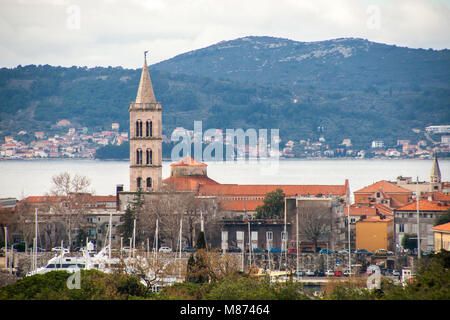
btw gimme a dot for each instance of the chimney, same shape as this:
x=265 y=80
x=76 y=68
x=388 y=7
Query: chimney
x=119 y=188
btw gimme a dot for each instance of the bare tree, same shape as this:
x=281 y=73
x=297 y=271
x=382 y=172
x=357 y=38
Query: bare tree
x=315 y=222
x=74 y=192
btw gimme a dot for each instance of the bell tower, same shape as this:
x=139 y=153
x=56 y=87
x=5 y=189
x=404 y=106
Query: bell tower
x=435 y=176
x=145 y=137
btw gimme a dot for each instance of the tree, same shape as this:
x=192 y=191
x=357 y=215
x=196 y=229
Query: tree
x=197 y=268
x=273 y=206
x=315 y=223
x=443 y=218
x=74 y=192
x=126 y=228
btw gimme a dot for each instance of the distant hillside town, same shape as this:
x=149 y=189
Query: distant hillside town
x=74 y=142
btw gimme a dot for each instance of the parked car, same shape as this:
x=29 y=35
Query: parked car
x=426 y=253
x=320 y=273
x=55 y=249
x=338 y=273
x=383 y=252
x=233 y=249
x=310 y=273
x=188 y=249
x=165 y=249
x=364 y=251
x=307 y=250
x=258 y=250
x=275 y=250
x=343 y=251
x=325 y=251
x=329 y=273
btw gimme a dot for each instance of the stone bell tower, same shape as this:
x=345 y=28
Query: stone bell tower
x=145 y=137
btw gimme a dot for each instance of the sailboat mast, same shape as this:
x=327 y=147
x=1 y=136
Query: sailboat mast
x=110 y=231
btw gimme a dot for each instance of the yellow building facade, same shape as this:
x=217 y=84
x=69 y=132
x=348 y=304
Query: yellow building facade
x=375 y=233
x=442 y=237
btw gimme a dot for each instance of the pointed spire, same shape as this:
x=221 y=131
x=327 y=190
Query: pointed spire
x=435 y=171
x=145 y=92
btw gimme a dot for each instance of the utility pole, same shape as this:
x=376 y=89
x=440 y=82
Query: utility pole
x=6 y=247
x=418 y=220
x=296 y=236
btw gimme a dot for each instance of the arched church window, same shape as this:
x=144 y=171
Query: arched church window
x=149 y=182
x=138 y=156
x=149 y=156
x=138 y=128
x=139 y=182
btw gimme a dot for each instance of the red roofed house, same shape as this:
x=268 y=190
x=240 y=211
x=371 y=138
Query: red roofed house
x=384 y=192
x=406 y=220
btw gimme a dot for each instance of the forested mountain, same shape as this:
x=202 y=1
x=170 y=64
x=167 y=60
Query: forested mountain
x=349 y=88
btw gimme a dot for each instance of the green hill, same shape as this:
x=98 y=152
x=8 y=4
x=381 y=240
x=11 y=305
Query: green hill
x=349 y=88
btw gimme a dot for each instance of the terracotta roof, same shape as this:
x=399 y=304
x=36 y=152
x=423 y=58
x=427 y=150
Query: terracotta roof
x=425 y=205
x=238 y=205
x=442 y=227
x=361 y=211
x=188 y=183
x=37 y=199
x=188 y=161
x=437 y=196
x=384 y=210
x=261 y=190
x=385 y=186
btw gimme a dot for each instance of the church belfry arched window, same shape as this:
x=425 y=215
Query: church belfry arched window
x=139 y=182
x=149 y=128
x=138 y=128
x=138 y=156
x=149 y=156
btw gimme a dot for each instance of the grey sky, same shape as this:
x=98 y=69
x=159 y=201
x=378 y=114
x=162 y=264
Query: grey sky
x=113 y=32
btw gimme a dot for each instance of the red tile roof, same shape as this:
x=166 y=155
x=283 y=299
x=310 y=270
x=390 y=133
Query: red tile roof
x=188 y=183
x=42 y=199
x=385 y=186
x=369 y=210
x=442 y=227
x=261 y=190
x=239 y=205
x=437 y=196
x=425 y=205
x=361 y=211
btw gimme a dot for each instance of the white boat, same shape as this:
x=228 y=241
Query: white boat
x=87 y=261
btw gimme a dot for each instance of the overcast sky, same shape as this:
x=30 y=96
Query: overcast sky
x=115 y=33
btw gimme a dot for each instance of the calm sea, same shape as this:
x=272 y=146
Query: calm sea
x=23 y=178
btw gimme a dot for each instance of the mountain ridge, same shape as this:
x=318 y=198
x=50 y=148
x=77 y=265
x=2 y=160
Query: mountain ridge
x=350 y=87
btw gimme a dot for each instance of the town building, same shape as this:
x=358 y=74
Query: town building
x=442 y=237
x=383 y=192
x=375 y=233
x=435 y=183
x=406 y=221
